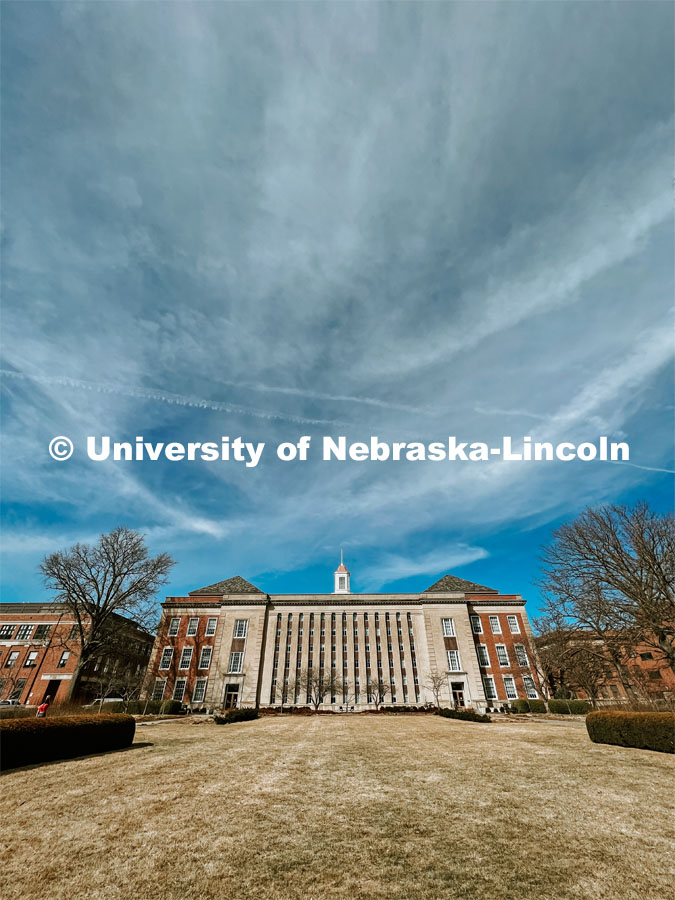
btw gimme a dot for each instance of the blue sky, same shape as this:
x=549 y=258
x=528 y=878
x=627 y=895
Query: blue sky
x=408 y=220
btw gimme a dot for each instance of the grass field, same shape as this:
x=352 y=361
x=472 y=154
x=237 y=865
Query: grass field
x=402 y=808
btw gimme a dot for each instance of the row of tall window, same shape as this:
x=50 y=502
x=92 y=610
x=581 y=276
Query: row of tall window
x=193 y=626
x=503 y=656
x=509 y=687
x=495 y=624
x=31 y=659
x=185 y=659
x=198 y=692
x=24 y=632
x=240 y=626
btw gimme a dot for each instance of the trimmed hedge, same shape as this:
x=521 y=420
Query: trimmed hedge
x=138 y=707
x=466 y=715
x=644 y=730
x=26 y=741
x=236 y=715
x=525 y=706
x=567 y=707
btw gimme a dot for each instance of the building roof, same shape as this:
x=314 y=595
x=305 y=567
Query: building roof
x=452 y=584
x=236 y=585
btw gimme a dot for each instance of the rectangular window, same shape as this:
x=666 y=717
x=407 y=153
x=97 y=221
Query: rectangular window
x=448 y=628
x=236 y=660
x=211 y=627
x=6 y=632
x=30 y=659
x=167 y=656
x=179 y=688
x=205 y=657
x=74 y=633
x=158 y=689
x=530 y=689
x=510 y=685
x=521 y=656
x=18 y=689
x=453 y=660
x=494 y=625
x=64 y=659
x=24 y=633
x=11 y=659
x=185 y=658
x=514 y=627
x=193 y=625
x=174 y=625
x=483 y=657
x=489 y=687
x=476 y=625
x=502 y=655
x=42 y=632
x=200 y=690
x=240 y=628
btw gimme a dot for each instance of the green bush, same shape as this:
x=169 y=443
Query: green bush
x=521 y=706
x=466 y=715
x=565 y=707
x=141 y=707
x=537 y=706
x=644 y=730
x=236 y=715
x=26 y=741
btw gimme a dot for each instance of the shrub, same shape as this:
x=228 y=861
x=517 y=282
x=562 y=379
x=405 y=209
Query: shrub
x=565 y=707
x=466 y=715
x=143 y=707
x=537 y=706
x=644 y=730
x=33 y=740
x=236 y=715
x=521 y=706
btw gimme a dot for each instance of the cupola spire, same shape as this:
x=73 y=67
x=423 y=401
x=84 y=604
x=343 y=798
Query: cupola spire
x=341 y=576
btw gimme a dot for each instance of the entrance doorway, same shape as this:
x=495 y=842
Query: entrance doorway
x=52 y=688
x=231 y=696
x=458 y=694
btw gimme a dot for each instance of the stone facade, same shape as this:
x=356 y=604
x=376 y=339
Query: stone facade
x=232 y=644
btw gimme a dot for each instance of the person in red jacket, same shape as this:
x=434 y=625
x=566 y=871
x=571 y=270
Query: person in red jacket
x=42 y=709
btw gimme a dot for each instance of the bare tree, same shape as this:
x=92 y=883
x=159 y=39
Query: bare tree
x=377 y=690
x=435 y=682
x=103 y=585
x=316 y=685
x=612 y=572
x=548 y=655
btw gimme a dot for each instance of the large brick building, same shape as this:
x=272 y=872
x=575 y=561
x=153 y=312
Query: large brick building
x=39 y=652
x=231 y=644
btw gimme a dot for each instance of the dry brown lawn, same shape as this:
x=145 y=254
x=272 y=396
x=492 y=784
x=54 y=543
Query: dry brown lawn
x=383 y=808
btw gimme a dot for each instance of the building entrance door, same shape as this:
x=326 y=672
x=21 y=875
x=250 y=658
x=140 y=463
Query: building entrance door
x=231 y=696
x=52 y=688
x=458 y=694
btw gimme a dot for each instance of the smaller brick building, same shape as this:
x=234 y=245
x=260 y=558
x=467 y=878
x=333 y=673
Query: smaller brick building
x=39 y=652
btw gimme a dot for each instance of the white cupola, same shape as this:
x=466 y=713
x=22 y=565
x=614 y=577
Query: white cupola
x=341 y=578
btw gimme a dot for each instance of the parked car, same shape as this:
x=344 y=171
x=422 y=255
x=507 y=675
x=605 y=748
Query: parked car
x=10 y=703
